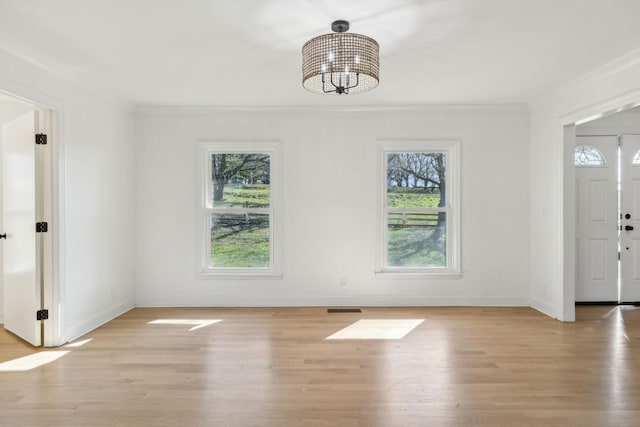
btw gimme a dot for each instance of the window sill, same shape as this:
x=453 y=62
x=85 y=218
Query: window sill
x=237 y=275
x=417 y=275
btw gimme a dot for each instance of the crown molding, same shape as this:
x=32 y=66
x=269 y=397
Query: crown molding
x=83 y=85
x=598 y=76
x=160 y=110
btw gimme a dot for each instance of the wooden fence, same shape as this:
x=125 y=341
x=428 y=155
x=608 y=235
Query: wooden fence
x=415 y=219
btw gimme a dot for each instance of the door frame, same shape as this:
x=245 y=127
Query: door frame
x=569 y=122
x=52 y=243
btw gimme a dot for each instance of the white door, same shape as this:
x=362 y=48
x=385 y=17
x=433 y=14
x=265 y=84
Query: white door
x=630 y=218
x=21 y=267
x=597 y=218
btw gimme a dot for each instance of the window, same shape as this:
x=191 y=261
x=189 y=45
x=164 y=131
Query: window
x=636 y=159
x=419 y=224
x=586 y=155
x=239 y=208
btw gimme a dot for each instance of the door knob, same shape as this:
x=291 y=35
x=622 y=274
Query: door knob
x=3 y=236
x=628 y=227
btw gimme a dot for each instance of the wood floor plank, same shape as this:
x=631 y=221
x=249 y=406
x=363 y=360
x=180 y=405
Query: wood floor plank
x=274 y=367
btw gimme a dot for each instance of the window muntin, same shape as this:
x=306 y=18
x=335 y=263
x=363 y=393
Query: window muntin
x=239 y=209
x=586 y=155
x=420 y=198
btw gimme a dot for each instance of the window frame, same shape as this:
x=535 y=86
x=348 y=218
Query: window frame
x=451 y=148
x=205 y=150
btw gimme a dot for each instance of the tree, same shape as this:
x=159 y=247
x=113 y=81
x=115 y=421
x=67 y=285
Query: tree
x=248 y=168
x=418 y=170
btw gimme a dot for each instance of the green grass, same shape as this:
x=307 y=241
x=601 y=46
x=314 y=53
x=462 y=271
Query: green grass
x=411 y=198
x=256 y=195
x=414 y=238
x=237 y=243
x=416 y=247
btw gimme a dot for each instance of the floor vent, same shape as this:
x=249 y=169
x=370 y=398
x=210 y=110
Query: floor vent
x=344 y=310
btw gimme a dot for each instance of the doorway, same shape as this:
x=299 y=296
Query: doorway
x=26 y=250
x=607 y=208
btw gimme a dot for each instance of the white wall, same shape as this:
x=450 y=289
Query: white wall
x=611 y=88
x=626 y=122
x=95 y=139
x=11 y=108
x=330 y=205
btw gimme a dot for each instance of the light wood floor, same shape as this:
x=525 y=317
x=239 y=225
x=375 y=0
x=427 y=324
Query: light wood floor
x=274 y=367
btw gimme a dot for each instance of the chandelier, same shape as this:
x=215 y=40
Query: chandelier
x=340 y=62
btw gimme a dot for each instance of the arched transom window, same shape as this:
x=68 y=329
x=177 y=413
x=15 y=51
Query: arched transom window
x=586 y=155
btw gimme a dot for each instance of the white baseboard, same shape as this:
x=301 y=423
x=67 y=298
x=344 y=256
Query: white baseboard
x=87 y=325
x=366 y=301
x=545 y=307
x=81 y=328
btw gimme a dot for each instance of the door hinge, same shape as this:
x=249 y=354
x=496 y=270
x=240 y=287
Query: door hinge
x=42 y=314
x=42 y=227
x=41 y=138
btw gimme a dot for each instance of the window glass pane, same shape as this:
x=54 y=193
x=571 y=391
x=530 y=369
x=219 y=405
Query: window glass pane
x=586 y=155
x=416 y=180
x=636 y=159
x=417 y=239
x=240 y=240
x=240 y=180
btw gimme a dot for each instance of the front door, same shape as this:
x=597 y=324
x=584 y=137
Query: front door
x=596 y=160
x=21 y=271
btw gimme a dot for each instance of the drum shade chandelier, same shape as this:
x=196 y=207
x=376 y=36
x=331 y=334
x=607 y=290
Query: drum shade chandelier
x=340 y=63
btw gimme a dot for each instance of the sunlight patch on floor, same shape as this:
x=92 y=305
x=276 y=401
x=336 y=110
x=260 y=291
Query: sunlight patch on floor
x=32 y=361
x=198 y=323
x=377 y=329
x=79 y=343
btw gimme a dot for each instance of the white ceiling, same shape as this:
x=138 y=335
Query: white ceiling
x=247 y=52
